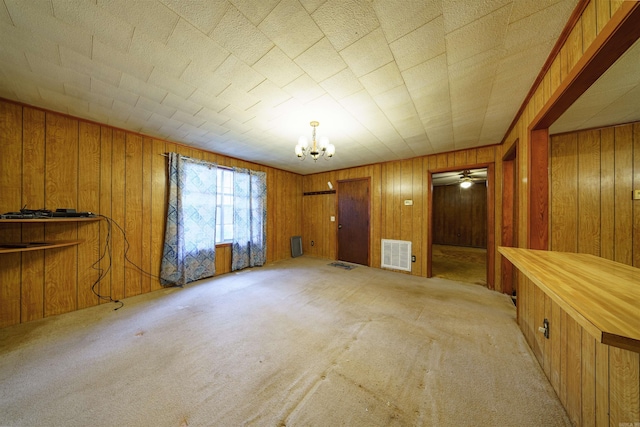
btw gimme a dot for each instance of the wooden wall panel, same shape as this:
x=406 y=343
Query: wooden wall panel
x=624 y=383
x=118 y=212
x=133 y=216
x=460 y=216
x=33 y=147
x=623 y=187
x=103 y=288
x=118 y=174
x=147 y=215
x=11 y=185
x=589 y=192
x=636 y=204
x=564 y=186
x=88 y=200
x=607 y=195
x=61 y=191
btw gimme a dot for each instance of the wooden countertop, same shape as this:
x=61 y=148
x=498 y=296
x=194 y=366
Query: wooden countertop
x=603 y=296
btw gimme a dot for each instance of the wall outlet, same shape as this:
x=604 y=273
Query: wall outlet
x=413 y=258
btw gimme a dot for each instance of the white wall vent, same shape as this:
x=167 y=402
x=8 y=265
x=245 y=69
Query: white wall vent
x=396 y=254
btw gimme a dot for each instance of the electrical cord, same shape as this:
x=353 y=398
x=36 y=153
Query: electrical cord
x=108 y=252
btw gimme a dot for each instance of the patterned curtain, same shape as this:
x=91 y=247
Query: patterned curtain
x=249 y=219
x=189 y=243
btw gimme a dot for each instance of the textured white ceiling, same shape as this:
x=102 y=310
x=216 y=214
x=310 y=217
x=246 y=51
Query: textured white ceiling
x=613 y=99
x=387 y=80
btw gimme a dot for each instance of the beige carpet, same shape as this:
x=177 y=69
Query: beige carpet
x=296 y=343
x=459 y=263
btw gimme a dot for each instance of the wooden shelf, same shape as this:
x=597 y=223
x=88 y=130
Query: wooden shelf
x=601 y=295
x=55 y=219
x=37 y=246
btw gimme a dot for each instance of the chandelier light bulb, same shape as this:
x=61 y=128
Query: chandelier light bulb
x=317 y=148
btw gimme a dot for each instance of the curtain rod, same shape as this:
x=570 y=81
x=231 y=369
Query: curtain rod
x=217 y=165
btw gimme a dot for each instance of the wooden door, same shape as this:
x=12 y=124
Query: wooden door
x=353 y=221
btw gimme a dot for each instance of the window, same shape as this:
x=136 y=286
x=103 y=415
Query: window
x=224 y=208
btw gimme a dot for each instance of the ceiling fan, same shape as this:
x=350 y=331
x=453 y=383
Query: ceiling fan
x=467 y=179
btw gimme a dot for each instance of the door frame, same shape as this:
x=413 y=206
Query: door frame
x=490 y=216
x=509 y=229
x=368 y=180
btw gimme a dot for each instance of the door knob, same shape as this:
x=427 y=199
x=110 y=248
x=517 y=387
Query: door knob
x=339 y=226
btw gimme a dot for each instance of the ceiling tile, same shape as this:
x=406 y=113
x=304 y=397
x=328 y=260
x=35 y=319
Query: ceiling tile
x=346 y=21
x=202 y=14
x=343 y=84
x=291 y=28
x=545 y=23
x=398 y=19
x=196 y=46
x=152 y=52
x=367 y=54
x=277 y=67
x=155 y=107
x=4 y=14
x=124 y=62
x=105 y=89
x=269 y=94
x=304 y=89
x=525 y=8
x=232 y=70
x=27 y=15
x=84 y=65
x=154 y=18
x=203 y=80
x=238 y=97
x=14 y=58
x=383 y=79
x=91 y=97
x=255 y=11
x=25 y=40
x=235 y=113
x=207 y=100
x=193 y=120
x=311 y=5
x=171 y=84
x=136 y=86
x=321 y=61
x=420 y=45
x=58 y=73
x=241 y=37
x=458 y=13
x=480 y=35
x=95 y=20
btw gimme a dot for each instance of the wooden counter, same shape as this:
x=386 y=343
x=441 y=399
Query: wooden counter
x=602 y=296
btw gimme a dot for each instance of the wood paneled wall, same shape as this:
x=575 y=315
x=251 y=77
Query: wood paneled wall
x=391 y=184
x=460 y=215
x=591 y=211
x=54 y=161
x=592 y=178
x=597 y=384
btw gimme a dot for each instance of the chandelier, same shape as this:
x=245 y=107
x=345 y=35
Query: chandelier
x=316 y=149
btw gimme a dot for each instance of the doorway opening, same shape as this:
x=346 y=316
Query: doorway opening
x=459 y=231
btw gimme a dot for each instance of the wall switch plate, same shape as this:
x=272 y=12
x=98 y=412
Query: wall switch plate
x=333 y=219
x=636 y=195
x=408 y=202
